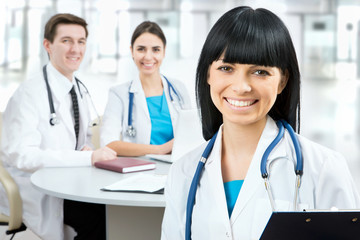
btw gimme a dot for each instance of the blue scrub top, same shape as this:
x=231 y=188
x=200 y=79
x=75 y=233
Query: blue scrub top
x=232 y=190
x=161 y=126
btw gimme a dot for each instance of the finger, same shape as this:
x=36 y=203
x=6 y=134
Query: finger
x=111 y=151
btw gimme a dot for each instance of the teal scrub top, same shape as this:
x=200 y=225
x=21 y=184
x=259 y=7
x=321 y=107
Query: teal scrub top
x=161 y=126
x=232 y=190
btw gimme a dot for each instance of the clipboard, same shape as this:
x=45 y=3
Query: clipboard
x=313 y=225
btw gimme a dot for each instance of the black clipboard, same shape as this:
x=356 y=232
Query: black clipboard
x=313 y=225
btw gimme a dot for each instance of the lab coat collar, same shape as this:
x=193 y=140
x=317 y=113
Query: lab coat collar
x=135 y=85
x=136 y=88
x=59 y=84
x=253 y=180
x=60 y=89
x=268 y=135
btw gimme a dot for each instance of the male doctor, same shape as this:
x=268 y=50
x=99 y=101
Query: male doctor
x=30 y=141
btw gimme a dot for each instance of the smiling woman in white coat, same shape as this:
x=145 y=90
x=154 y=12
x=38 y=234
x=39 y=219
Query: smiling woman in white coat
x=247 y=80
x=140 y=116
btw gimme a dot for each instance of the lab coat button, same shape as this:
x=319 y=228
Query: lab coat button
x=228 y=234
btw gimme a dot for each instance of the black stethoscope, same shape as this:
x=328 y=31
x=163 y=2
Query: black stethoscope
x=264 y=173
x=130 y=130
x=53 y=118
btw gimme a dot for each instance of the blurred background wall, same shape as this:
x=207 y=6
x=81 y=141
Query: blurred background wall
x=326 y=34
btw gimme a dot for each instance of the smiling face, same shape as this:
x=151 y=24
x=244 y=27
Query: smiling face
x=68 y=48
x=148 y=51
x=243 y=93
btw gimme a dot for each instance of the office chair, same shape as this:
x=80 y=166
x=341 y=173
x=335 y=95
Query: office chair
x=14 y=221
x=95 y=139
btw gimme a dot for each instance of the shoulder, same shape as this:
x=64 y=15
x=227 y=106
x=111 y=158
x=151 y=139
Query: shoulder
x=176 y=83
x=187 y=164
x=309 y=146
x=32 y=88
x=180 y=176
x=317 y=156
x=120 y=89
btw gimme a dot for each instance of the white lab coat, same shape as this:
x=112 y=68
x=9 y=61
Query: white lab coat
x=115 y=119
x=29 y=142
x=326 y=182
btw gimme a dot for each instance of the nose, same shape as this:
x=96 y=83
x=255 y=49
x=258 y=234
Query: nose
x=75 y=47
x=241 y=84
x=148 y=54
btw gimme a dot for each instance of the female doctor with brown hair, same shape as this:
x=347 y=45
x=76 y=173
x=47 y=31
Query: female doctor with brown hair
x=141 y=114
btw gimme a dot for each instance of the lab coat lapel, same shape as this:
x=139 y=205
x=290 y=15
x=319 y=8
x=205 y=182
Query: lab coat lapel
x=139 y=97
x=253 y=181
x=60 y=88
x=84 y=118
x=172 y=108
x=214 y=178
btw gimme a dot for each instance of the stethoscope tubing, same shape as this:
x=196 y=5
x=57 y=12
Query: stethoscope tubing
x=193 y=187
x=196 y=179
x=131 y=129
x=50 y=99
x=53 y=118
x=268 y=150
x=299 y=158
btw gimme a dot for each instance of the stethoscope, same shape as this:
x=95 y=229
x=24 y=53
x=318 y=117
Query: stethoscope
x=298 y=171
x=130 y=130
x=53 y=118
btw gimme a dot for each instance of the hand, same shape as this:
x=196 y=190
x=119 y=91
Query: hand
x=166 y=147
x=86 y=148
x=102 y=154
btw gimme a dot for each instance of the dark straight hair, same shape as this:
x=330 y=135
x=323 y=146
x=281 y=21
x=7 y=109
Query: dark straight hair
x=148 y=27
x=62 y=18
x=247 y=36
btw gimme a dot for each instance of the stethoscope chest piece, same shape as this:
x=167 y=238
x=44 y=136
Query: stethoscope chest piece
x=53 y=119
x=131 y=131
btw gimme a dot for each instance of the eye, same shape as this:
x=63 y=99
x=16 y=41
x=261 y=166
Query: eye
x=225 y=69
x=156 y=50
x=261 y=73
x=82 y=42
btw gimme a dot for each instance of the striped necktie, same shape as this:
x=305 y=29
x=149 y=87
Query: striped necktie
x=76 y=113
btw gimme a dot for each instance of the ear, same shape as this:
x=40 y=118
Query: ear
x=46 y=44
x=131 y=50
x=283 y=81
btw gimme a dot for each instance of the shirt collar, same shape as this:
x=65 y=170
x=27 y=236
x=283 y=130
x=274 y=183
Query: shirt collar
x=59 y=84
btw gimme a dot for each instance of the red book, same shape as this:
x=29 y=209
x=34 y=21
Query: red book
x=126 y=165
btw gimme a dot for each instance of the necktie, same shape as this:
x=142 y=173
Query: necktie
x=76 y=113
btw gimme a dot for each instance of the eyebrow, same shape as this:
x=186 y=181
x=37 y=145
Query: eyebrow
x=82 y=38
x=145 y=46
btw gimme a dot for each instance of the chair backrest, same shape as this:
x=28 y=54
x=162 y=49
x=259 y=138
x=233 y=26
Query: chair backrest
x=95 y=139
x=15 y=203
x=0 y=126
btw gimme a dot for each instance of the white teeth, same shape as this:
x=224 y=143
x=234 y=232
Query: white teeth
x=239 y=103
x=148 y=65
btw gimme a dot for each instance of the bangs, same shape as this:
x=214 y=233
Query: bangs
x=263 y=43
